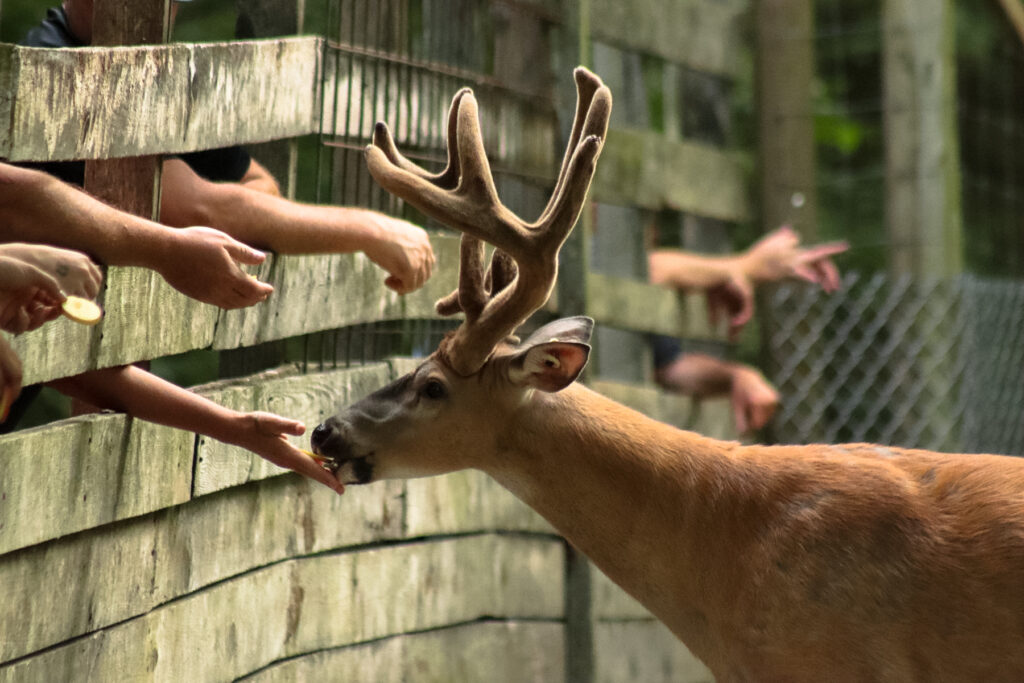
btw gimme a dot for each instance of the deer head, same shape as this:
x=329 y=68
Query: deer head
x=447 y=413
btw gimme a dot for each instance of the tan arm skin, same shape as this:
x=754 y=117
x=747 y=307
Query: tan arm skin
x=10 y=377
x=198 y=261
x=145 y=396
x=286 y=227
x=729 y=281
x=752 y=397
x=258 y=178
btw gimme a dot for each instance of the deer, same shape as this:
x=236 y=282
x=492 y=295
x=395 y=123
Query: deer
x=853 y=562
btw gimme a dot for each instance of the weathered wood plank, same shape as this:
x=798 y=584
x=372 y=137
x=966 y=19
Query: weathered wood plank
x=57 y=349
x=310 y=604
x=649 y=170
x=465 y=502
x=147 y=318
x=310 y=398
x=121 y=571
x=496 y=652
x=85 y=472
x=643 y=651
x=922 y=153
x=702 y=34
x=640 y=307
x=102 y=102
x=323 y=292
x=711 y=417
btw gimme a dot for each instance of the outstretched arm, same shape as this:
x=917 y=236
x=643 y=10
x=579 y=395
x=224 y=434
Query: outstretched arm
x=753 y=398
x=199 y=262
x=286 y=227
x=134 y=391
x=729 y=281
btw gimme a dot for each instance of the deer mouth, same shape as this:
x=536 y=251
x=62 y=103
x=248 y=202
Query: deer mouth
x=339 y=456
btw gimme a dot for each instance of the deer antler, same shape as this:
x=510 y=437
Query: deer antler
x=525 y=263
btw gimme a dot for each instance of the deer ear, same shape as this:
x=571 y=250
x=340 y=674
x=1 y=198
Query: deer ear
x=549 y=366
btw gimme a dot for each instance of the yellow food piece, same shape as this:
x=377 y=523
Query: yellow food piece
x=318 y=458
x=82 y=310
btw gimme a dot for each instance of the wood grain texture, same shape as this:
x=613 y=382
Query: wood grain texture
x=648 y=170
x=712 y=417
x=630 y=304
x=643 y=651
x=120 y=571
x=85 y=472
x=92 y=103
x=706 y=35
x=495 y=652
x=309 y=604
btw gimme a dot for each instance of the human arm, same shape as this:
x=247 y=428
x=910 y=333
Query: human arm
x=258 y=178
x=752 y=397
x=10 y=377
x=145 y=396
x=286 y=227
x=729 y=281
x=199 y=262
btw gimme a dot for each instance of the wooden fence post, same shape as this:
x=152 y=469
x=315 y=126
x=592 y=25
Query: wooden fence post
x=785 y=73
x=263 y=19
x=922 y=156
x=130 y=183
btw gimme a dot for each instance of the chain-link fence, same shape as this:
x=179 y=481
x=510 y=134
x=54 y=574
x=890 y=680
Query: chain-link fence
x=933 y=364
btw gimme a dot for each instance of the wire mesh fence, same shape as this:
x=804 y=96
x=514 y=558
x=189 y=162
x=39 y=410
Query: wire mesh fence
x=932 y=364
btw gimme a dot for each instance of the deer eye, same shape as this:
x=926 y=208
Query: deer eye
x=434 y=389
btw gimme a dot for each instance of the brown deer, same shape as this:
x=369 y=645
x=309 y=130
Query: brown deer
x=787 y=563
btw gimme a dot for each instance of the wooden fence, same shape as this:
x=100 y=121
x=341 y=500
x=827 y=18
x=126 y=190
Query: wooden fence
x=130 y=551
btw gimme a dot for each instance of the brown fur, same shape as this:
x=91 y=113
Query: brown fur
x=784 y=563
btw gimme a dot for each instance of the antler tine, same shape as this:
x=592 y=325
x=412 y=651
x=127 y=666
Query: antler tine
x=475 y=289
x=587 y=85
x=446 y=179
x=472 y=207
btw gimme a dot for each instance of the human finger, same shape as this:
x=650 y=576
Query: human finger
x=825 y=250
x=395 y=283
x=308 y=466
x=243 y=253
x=275 y=425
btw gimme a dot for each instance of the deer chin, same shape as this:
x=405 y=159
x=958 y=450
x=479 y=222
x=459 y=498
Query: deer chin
x=354 y=470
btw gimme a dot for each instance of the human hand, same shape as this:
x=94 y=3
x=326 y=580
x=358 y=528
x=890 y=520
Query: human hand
x=753 y=399
x=203 y=264
x=264 y=434
x=403 y=250
x=29 y=296
x=72 y=272
x=10 y=377
x=778 y=255
x=732 y=299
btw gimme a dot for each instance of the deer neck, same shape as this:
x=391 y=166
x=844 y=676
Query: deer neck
x=646 y=502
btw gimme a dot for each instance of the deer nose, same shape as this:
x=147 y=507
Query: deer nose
x=323 y=432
